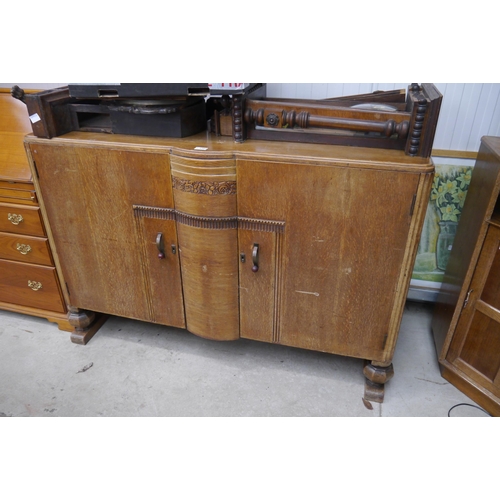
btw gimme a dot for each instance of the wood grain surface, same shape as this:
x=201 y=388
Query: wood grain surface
x=15 y=278
x=30 y=222
x=25 y=249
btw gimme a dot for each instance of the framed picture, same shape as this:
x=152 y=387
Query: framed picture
x=449 y=190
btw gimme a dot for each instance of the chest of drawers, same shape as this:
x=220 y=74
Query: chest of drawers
x=28 y=280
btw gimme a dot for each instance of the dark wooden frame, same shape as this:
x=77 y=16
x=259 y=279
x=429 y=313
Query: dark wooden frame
x=410 y=127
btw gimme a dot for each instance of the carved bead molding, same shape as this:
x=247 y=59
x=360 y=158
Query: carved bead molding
x=416 y=132
x=237 y=115
x=245 y=223
x=211 y=188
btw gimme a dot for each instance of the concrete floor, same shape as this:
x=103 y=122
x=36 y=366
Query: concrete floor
x=140 y=369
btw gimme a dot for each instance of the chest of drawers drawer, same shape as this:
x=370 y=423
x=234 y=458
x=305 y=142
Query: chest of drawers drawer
x=20 y=193
x=30 y=285
x=21 y=219
x=28 y=249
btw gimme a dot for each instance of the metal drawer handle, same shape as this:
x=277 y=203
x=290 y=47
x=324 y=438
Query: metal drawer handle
x=255 y=257
x=24 y=249
x=159 y=246
x=34 y=285
x=15 y=219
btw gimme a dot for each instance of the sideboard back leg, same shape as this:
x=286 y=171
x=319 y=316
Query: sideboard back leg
x=377 y=374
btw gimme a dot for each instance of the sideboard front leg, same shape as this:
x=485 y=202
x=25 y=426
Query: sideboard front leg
x=86 y=324
x=377 y=374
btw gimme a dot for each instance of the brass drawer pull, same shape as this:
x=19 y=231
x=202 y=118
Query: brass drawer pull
x=15 y=219
x=34 y=285
x=24 y=249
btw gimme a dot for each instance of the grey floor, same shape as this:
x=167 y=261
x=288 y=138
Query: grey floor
x=144 y=370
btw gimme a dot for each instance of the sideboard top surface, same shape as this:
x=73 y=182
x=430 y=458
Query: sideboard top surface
x=205 y=145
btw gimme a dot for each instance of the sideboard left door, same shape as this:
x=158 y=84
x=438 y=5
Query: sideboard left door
x=89 y=195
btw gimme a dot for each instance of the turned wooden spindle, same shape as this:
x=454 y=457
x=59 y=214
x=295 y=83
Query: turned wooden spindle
x=256 y=117
x=304 y=119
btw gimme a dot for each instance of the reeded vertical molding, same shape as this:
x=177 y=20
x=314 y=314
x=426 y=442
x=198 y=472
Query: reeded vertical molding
x=278 y=287
x=154 y=212
x=268 y=226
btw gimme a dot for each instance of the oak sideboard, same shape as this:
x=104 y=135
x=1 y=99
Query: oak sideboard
x=303 y=245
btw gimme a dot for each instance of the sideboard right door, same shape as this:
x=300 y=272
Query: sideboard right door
x=337 y=257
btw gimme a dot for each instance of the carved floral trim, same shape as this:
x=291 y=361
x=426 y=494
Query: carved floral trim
x=204 y=187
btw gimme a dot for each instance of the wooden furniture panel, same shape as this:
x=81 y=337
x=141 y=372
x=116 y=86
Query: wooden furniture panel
x=25 y=249
x=304 y=245
x=14 y=125
x=92 y=193
x=491 y=289
x=21 y=219
x=342 y=252
x=480 y=348
x=204 y=192
x=161 y=266
x=467 y=244
x=210 y=281
x=476 y=341
x=29 y=285
x=261 y=269
x=23 y=239
x=204 y=187
x=14 y=193
x=466 y=321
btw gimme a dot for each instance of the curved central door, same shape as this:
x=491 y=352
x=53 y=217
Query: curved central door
x=207 y=226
